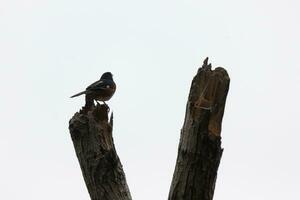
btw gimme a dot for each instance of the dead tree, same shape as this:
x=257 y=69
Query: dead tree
x=199 y=150
x=91 y=132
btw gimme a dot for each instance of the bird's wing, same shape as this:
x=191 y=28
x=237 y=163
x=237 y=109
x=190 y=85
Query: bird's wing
x=98 y=85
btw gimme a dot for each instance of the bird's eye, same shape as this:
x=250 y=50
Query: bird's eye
x=107 y=86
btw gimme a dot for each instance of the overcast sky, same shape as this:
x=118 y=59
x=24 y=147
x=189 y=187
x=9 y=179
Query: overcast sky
x=50 y=50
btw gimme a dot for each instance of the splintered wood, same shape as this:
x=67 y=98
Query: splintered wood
x=199 y=151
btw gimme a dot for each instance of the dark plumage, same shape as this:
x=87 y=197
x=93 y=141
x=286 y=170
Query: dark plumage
x=101 y=90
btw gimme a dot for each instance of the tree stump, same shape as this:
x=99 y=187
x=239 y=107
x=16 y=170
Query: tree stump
x=199 y=151
x=91 y=133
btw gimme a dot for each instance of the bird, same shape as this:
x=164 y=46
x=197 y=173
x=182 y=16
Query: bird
x=101 y=90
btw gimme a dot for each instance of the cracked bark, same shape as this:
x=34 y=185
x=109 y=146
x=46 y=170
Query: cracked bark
x=91 y=133
x=199 y=151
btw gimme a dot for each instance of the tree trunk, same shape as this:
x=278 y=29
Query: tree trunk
x=91 y=132
x=200 y=151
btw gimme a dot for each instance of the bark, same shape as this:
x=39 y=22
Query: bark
x=91 y=133
x=200 y=151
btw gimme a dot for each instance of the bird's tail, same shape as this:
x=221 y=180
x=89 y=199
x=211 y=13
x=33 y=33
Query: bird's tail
x=80 y=93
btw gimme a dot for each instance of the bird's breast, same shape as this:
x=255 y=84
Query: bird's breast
x=105 y=94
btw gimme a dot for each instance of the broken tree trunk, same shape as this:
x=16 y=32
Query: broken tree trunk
x=200 y=151
x=91 y=132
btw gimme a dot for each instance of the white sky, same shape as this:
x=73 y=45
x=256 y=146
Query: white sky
x=50 y=50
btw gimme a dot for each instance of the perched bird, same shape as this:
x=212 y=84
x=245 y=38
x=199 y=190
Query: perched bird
x=101 y=90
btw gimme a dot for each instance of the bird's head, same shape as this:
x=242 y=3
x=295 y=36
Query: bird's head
x=107 y=75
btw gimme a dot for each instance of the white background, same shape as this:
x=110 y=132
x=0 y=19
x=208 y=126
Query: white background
x=50 y=50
